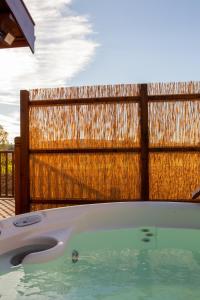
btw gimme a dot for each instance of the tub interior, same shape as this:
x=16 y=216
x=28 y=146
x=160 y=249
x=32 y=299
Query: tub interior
x=107 y=251
x=130 y=263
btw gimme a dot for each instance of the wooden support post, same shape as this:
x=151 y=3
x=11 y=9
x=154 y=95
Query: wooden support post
x=24 y=121
x=144 y=143
x=18 y=202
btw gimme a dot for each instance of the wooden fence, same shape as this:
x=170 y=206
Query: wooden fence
x=6 y=174
x=108 y=143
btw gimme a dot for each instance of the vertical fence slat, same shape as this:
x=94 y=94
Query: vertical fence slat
x=24 y=165
x=18 y=202
x=0 y=176
x=6 y=174
x=144 y=143
x=13 y=172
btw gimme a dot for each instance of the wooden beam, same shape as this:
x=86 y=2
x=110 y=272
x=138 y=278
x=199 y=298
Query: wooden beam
x=159 y=98
x=85 y=150
x=174 y=98
x=17 y=185
x=115 y=150
x=16 y=44
x=175 y=149
x=144 y=166
x=78 y=201
x=96 y=201
x=24 y=121
x=84 y=101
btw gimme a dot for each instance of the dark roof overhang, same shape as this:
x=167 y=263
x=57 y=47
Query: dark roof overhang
x=16 y=25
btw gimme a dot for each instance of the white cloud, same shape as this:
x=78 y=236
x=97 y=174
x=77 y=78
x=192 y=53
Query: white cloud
x=11 y=123
x=63 y=48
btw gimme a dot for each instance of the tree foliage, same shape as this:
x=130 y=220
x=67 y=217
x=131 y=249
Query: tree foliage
x=3 y=136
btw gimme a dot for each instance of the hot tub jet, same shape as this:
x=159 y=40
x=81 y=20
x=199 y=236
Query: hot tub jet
x=75 y=256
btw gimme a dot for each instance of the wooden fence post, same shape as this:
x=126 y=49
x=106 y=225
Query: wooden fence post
x=24 y=121
x=17 y=156
x=144 y=143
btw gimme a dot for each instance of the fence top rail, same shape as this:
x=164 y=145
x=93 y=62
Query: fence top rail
x=128 y=99
x=117 y=99
x=6 y=151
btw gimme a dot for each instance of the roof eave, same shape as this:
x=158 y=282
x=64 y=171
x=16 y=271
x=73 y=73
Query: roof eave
x=24 y=20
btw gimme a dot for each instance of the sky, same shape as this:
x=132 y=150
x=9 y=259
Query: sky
x=87 y=42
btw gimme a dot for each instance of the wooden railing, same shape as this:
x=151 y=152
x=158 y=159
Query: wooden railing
x=6 y=174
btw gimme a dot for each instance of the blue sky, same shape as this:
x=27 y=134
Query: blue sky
x=142 y=40
x=86 y=42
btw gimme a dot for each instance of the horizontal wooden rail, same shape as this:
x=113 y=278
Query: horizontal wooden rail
x=84 y=150
x=131 y=99
x=84 y=101
x=78 y=201
x=7 y=151
x=113 y=150
x=175 y=98
x=175 y=149
x=94 y=201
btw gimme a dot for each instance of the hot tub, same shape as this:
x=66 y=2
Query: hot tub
x=143 y=250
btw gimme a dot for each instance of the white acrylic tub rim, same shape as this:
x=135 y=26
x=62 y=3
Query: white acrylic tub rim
x=58 y=225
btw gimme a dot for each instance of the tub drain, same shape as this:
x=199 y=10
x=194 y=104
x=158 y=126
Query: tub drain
x=75 y=256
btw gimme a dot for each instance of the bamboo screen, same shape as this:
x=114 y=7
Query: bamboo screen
x=87 y=144
x=174 y=124
x=84 y=126
x=174 y=175
x=85 y=176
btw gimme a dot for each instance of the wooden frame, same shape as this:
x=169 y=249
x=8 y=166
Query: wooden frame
x=24 y=157
x=23 y=194
x=18 y=194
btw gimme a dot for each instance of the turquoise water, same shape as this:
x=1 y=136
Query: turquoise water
x=159 y=264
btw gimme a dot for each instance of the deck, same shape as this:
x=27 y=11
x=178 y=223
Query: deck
x=7 y=207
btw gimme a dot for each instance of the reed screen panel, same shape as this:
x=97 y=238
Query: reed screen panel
x=173 y=88
x=84 y=92
x=84 y=126
x=173 y=176
x=114 y=176
x=175 y=123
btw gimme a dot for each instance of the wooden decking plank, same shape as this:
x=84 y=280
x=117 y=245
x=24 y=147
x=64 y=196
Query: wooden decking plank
x=7 y=208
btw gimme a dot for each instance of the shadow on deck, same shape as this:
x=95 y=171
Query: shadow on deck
x=7 y=207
